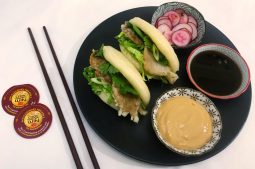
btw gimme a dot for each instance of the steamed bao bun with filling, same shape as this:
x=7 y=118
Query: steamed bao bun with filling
x=148 y=50
x=117 y=82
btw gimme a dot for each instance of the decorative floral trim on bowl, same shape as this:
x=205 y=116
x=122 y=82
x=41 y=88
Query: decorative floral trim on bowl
x=201 y=99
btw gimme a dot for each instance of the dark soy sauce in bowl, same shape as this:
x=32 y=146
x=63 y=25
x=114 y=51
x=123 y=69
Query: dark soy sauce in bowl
x=215 y=73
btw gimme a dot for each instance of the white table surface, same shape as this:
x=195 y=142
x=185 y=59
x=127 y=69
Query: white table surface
x=69 y=22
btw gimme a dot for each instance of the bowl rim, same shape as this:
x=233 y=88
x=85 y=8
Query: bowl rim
x=191 y=44
x=230 y=96
x=164 y=142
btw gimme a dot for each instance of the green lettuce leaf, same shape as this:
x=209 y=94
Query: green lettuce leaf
x=135 y=50
x=123 y=85
x=100 y=52
x=136 y=53
x=117 y=78
x=155 y=52
x=97 y=85
x=137 y=31
x=126 y=42
x=162 y=60
x=107 y=68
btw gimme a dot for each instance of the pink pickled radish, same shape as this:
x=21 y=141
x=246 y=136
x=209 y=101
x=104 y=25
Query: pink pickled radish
x=181 y=38
x=165 y=21
x=183 y=15
x=163 y=28
x=174 y=17
x=168 y=36
x=192 y=20
x=181 y=26
x=194 y=32
x=184 y=18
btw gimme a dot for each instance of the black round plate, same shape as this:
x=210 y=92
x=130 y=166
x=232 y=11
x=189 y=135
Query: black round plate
x=139 y=140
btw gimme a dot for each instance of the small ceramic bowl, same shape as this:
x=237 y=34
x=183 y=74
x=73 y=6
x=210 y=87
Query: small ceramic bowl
x=189 y=10
x=207 y=104
x=231 y=54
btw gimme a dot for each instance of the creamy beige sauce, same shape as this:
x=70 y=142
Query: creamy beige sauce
x=184 y=123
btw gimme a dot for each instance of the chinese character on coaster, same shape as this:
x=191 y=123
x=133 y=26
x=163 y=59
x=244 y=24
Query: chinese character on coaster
x=33 y=121
x=18 y=97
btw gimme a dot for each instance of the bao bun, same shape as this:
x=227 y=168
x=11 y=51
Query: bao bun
x=120 y=62
x=159 y=40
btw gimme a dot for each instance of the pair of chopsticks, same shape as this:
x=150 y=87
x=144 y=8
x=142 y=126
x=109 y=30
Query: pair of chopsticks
x=58 y=108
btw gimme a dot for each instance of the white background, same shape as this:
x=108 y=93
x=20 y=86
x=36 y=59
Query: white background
x=69 y=22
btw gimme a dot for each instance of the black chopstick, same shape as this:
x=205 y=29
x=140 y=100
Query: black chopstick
x=56 y=103
x=75 y=110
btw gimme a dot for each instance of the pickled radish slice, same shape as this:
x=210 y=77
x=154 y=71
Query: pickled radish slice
x=160 y=18
x=184 y=17
x=168 y=36
x=173 y=17
x=182 y=26
x=191 y=19
x=178 y=27
x=164 y=28
x=194 y=32
x=165 y=21
x=181 y=38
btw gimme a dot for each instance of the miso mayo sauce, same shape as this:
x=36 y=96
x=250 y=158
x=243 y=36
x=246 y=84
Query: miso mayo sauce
x=184 y=123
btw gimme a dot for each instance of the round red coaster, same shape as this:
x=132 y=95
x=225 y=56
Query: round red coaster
x=33 y=121
x=18 y=97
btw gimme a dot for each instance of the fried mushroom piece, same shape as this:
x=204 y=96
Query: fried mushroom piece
x=95 y=63
x=127 y=104
x=130 y=34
